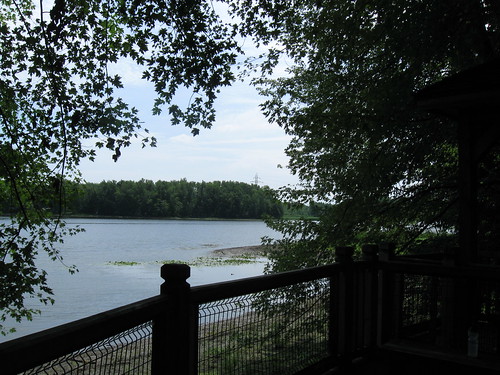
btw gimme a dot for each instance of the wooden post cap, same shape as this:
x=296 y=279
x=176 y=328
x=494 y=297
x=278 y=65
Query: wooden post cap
x=386 y=251
x=175 y=273
x=370 y=252
x=344 y=253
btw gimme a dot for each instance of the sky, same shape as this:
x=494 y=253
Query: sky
x=240 y=146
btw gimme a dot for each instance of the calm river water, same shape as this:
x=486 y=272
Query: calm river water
x=100 y=285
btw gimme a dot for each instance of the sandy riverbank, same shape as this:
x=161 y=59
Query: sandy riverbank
x=242 y=250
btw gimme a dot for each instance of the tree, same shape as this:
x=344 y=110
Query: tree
x=358 y=144
x=219 y=199
x=59 y=101
x=387 y=170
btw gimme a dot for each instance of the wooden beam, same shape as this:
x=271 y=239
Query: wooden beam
x=467 y=185
x=488 y=137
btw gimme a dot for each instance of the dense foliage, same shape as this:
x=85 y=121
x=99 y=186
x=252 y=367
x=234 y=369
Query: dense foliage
x=60 y=82
x=389 y=170
x=183 y=199
x=386 y=170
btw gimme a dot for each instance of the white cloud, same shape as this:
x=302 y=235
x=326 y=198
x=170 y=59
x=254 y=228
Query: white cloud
x=183 y=139
x=130 y=72
x=240 y=144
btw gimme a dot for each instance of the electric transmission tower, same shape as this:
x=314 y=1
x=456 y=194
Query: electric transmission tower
x=256 y=180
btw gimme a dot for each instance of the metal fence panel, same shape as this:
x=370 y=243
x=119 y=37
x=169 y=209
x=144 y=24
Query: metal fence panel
x=126 y=353
x=280 y=331
x=425 y=308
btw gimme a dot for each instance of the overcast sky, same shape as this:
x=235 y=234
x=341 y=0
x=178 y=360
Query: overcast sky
x=240 y=145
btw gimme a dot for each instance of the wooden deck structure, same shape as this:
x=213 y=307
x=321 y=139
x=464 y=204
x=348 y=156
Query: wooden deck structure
x=472 y=99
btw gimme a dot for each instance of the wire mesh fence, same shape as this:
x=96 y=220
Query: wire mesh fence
x=280 y=331
x=420 y=300
x=247 y=328
x=488 y=321
x=126 y=353
x=430 y=306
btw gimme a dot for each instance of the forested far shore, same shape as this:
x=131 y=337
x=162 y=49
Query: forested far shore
x=183 y=199
x=167 y=199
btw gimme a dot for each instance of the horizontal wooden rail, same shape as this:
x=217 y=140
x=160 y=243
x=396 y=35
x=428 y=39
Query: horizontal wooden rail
x=228 y=289
x=55 y=342
x=356 y=306
x=478 y=272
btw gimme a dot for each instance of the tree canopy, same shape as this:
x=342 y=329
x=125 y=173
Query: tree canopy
x=59 y=100
x=175 y=199
x=387 y=170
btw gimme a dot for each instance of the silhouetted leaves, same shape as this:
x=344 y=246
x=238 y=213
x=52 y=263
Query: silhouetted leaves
x=387 y=170
x=59 y=102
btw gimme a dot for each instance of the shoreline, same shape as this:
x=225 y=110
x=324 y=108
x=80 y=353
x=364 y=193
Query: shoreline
x=219 y=257
x=256 y=250
x=152 y=218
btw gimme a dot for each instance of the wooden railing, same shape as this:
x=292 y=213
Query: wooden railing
x=441 y=305
x=287 y=323
x=172 y=333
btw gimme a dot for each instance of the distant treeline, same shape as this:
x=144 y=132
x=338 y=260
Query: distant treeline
x=183 y=199
x=165 y=199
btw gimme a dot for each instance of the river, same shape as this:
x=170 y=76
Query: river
x=101 y=284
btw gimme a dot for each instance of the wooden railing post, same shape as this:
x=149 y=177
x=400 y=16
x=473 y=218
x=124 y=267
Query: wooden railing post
x=175 y=334
x=390 y=291
x=370 y=254
x=342 y=327
x=458 y=305
x=449 y=298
